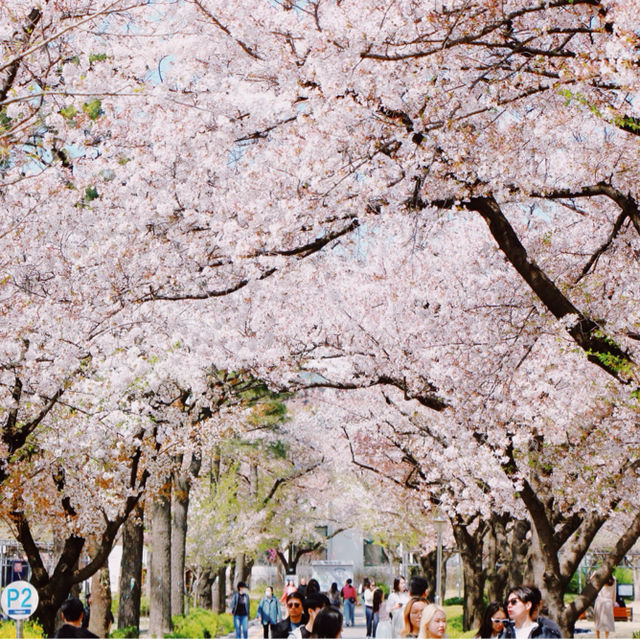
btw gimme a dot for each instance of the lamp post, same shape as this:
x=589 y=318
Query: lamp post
x=439 y=522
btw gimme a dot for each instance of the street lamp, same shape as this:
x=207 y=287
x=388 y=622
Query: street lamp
x=439 y=522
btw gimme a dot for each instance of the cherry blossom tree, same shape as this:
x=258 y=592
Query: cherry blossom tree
x=193 y=169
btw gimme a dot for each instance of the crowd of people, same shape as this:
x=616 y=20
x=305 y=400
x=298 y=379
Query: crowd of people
x=406 y=612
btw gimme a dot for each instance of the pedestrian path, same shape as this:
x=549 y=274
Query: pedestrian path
x=624 y=629
x=358 y=631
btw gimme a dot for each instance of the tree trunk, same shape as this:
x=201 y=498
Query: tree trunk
x=559 y=545
x=247 y=568
x=507 y=556
x=202 y=595
x=232 y=575
x=131 y=570
x=56 y=582
x=180 y=506
x=160 y=581
x=100 y=619
x=239 y=570
x=470 y=547
x=221 y=602
x=428 y=569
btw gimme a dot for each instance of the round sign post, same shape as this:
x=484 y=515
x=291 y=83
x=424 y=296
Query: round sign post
x=19 y=601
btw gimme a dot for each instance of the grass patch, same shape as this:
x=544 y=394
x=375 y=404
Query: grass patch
x=454 y=623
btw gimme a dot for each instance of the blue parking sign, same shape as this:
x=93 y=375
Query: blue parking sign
x=19 y=600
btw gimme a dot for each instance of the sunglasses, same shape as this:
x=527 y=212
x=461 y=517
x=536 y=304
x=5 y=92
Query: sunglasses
x=494 y=620
x=294 y=604
x=513 y=602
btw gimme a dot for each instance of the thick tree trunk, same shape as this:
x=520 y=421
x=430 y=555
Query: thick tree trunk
x=131 y=570
x=507 y=563
x=55 y=583
x=100 y=618
x=180 y=507
x=54 y=589
x=160 y=581
x=559 y=544
x=428 y=570
x=470 y=546
x=202 y=595
x=247 y=568
x=293 y=556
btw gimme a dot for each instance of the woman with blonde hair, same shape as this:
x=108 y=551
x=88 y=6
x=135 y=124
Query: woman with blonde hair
x=433 y=623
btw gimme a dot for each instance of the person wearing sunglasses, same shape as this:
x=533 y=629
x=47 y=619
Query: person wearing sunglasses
x=523 y=607
x=492 y=623
x=313 y=604
x=295 y=617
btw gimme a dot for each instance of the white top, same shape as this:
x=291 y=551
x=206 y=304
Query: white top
x=524 y=631
x=368 y=597
x=396 y=598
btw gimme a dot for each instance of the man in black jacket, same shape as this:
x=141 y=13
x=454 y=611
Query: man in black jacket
x=296 y=617
x=72 y=611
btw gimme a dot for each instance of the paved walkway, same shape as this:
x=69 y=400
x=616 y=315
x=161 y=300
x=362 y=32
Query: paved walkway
x=624 y=629
x=352 y=632
x=584 y=628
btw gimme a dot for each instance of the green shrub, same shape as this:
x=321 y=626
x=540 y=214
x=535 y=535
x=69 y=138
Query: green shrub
x=125 y=633
x=30 y=630
x=201 y=623
x=454 y=601
x=225 y=623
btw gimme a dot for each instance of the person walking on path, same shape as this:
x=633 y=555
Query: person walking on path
x=380 y=614
x=398 y=597
x=334 y=596
x=603 y=609
x=296 y=617
x=350 y=599
x=288 y=589
x=240 y=606
x=72 y=611
x=367 y=596
x=268 y=611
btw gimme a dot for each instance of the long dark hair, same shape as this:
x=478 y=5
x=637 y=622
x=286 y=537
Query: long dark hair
x=486 y=625
x=378 y=596
x=328 y=623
